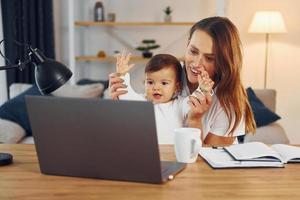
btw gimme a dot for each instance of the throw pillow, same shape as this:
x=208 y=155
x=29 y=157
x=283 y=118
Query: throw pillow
x=263 y=115
x=81 y=91
x=15 y=109
x=10 y=132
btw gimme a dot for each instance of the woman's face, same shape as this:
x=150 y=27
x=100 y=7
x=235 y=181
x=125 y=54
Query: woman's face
x=199 y=55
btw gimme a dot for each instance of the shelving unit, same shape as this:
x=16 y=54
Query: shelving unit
x=73 y=24
x=134 y=58
x=106 y=59
x=110 y=59
x=92 y=23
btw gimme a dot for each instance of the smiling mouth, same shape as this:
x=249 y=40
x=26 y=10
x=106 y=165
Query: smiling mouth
x=195 y=72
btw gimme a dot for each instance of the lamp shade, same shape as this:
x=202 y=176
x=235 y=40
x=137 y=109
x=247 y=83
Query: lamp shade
x=267 y=22
x=49 y=74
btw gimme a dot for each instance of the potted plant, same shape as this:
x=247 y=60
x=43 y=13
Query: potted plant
x=147 y=46
x=168 y=16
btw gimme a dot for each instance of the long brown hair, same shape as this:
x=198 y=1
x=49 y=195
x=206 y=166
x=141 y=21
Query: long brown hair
x=228 y=64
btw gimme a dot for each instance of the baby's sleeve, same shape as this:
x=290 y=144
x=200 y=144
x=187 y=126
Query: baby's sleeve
x=131 y=94
x=185 y=107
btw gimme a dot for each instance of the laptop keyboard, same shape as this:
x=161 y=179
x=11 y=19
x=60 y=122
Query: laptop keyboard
x=169 y=168
x=165 y=167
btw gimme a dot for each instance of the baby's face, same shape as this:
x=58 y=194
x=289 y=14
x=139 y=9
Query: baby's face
x=161 y=85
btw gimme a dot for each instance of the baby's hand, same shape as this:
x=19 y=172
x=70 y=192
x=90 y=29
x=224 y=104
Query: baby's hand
x=122 y=63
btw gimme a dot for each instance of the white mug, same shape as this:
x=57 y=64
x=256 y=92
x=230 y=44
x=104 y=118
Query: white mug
x=187 y=144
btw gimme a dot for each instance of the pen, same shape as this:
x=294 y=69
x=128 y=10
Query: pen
x=214 y=147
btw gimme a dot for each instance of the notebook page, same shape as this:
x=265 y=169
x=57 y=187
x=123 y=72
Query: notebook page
x=253 y=151
x=219 y=158
x=288 y=152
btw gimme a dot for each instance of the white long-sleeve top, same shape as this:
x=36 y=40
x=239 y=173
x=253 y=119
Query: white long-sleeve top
x=168 y=116
x=174 y=113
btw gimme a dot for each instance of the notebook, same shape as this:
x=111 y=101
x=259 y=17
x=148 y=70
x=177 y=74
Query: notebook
x=252 y=154
x=95 y=138
x=257 y=151
x=219 y=158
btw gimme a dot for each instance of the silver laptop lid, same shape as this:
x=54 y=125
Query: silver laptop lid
x=95 y=138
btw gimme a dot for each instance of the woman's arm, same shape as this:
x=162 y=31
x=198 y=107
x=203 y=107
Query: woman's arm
x=200 y=102
x=215 y=140
x=211 y=139
x=198 y=106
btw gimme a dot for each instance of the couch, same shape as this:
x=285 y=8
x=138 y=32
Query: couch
x=12 y=132
x=269 y=134
x=272 y=133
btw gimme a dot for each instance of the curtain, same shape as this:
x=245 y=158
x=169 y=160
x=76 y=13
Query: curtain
x=28 y=22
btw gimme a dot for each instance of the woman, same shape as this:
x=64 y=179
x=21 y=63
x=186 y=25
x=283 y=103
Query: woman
x=213 y=45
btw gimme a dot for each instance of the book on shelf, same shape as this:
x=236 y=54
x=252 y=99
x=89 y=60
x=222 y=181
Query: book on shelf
x=252 y=154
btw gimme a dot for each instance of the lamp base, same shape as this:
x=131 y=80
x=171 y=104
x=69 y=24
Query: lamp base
x=5 y=159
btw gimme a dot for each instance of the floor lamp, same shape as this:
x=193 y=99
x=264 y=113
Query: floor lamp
x=267 y=22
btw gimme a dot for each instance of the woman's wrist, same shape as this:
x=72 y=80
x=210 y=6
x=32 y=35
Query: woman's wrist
x=194 y=122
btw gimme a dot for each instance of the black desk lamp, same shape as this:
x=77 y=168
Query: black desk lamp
x=49 y=76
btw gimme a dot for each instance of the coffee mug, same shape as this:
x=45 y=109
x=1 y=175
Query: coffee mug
x=187 y=144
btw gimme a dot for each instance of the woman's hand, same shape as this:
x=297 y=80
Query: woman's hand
x=201 y=99
x=199 y=104
x=116 y=86
x=205 y=84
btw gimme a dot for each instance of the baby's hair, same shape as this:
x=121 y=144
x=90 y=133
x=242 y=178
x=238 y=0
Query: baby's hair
x=161 y=61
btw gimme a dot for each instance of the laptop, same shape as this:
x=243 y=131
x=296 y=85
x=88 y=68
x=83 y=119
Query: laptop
x=95 y=138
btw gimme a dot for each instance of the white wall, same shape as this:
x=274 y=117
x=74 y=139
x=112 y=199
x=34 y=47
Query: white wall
x=284 y=70
x=89 y=40
x=3 y=91
x=284 y=62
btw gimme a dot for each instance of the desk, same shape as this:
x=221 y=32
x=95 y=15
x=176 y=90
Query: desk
x=23 y=180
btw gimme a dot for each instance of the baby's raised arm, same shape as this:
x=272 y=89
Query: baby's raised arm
x=123 y=67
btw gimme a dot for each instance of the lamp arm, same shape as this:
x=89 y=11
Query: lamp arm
x=20 y=65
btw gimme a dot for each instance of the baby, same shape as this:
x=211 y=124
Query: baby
x=162 y=88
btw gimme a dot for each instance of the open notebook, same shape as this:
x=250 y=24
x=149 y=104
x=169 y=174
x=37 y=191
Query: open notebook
x=257 y=151
x=254 y=154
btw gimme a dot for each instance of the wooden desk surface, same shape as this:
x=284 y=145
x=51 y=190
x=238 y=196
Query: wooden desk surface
x=23 y=180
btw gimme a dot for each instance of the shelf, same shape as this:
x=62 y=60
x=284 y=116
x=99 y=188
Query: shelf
x=107 y=58
x=92 y=23
x=110 y=59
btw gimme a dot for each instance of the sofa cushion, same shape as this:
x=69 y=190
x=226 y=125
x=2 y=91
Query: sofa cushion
x=94 y=90
x=17 y=88
x=15 y=112
x=271 y=134
x=263 y=115
x=10 y=132
x=15 y=109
